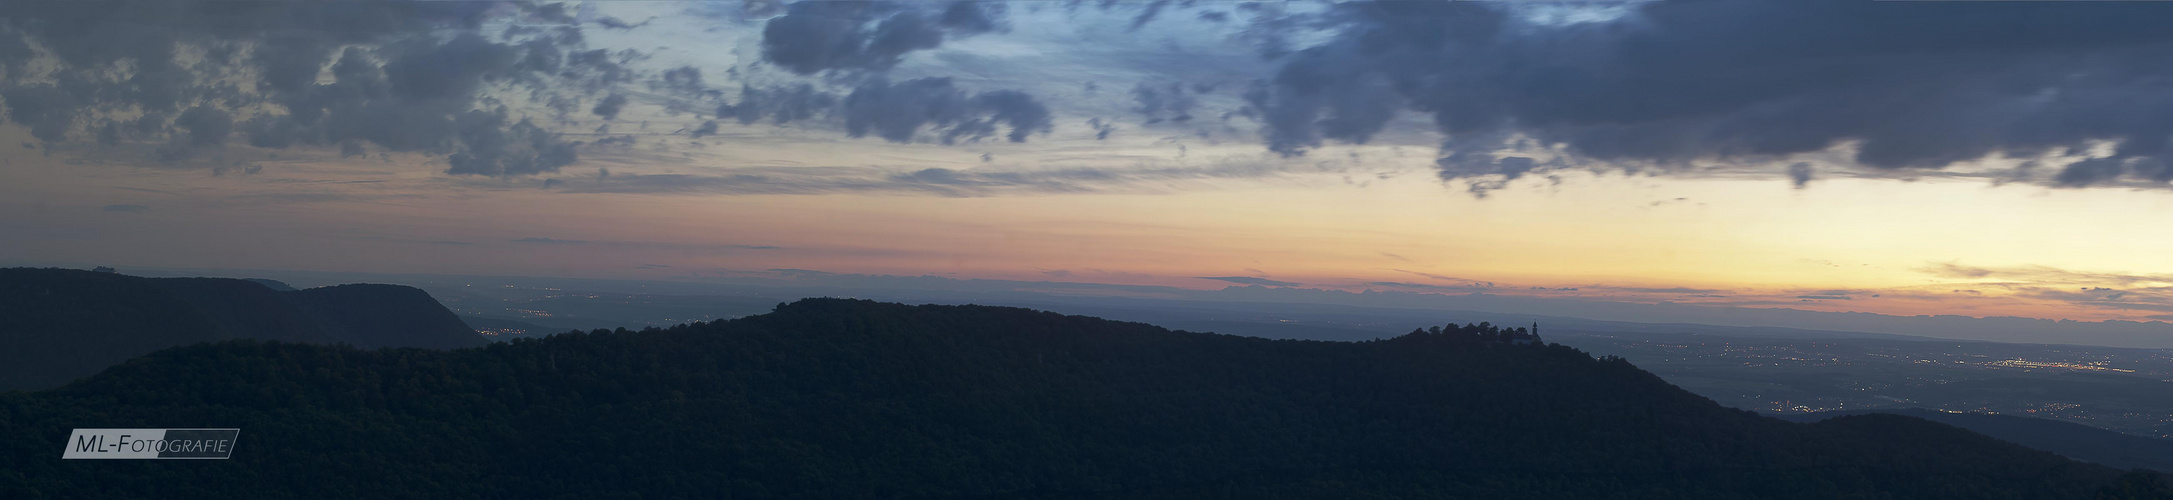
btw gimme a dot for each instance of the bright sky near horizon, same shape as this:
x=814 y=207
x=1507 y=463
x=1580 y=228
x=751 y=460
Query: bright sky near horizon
x=1200 y=146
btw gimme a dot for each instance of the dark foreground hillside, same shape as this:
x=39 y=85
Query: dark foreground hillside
x=2072 y=440
x=853 y=399
x=57 y=325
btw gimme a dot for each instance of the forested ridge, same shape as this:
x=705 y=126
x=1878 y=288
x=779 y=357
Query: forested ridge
x=57 y=325
x=2073 y=440
x=830 y=398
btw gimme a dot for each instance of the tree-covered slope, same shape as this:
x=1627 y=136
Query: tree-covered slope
x=57 y=325
x=829 y=398
x=2072 y=440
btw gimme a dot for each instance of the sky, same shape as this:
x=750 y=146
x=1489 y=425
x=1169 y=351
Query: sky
x=1964 y=158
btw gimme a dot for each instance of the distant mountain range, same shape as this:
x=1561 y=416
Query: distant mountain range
x=835 y=398
x=2076 y=441
x=57 y=325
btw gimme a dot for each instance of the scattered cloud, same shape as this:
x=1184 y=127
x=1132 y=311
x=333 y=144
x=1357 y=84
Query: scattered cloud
x=1635 y=289
x=1898 y=85
x=1248 y=280
x=645 y=244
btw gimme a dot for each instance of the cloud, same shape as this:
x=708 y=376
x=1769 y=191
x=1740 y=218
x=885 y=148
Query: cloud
x=1900 y=85
x=815 y=36
x=781 y=105
x=1166 y=102
x=898 y=112
x=492 y=147
x=1470 y=287
x=1248 y=280
x=1674 y=290
x=2041 y=275
x=974 y=182
x=1800 y=174
x=646 y=244
x=415 y=241
x=405 y=76
x=126 y=208
x=1431 y=275
x=609 y=107
x=1952 y=270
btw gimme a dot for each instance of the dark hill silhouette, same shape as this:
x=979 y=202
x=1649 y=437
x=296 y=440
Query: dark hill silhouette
x=2073 y=440
x=372 y=315
x=275 y=285
x=58 y=325
x=828 y=398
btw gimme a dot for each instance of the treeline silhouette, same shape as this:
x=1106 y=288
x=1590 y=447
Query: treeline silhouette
x=1482 y=333
x=829 y=398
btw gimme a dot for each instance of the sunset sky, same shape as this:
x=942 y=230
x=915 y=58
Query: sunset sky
x=1760 y=154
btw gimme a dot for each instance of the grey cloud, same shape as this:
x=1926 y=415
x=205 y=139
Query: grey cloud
x=781 y=105
x=416 y=241
x=898 y=112
x=930 y=181
x=1916 y=85
x=2091 y=171
x=973 y=17
x=1952 y=270
x=647 y=244
x=683 y=80
x=609 y=107
x=1167 y=102
x=47 y=110
x=489 y=146
x=1102 y=129
x=353 y=149
x=815 y=36
x=207 y=126
x=2158 y=299
x=1148 y=13
x=1248 y=280
x=1423 y=286
x=126 y=208
x=403 y=75
x=1800 y=174
x=1674 y=290
x=1471 y=282
x=2039 y=274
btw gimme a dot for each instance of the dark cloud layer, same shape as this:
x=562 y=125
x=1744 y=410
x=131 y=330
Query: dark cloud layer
x=781 y=105
x=864 y=39
x=1166 y=102
x=816 y=36
x=897 y=112
x=405 y=76
x=1912 y=84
